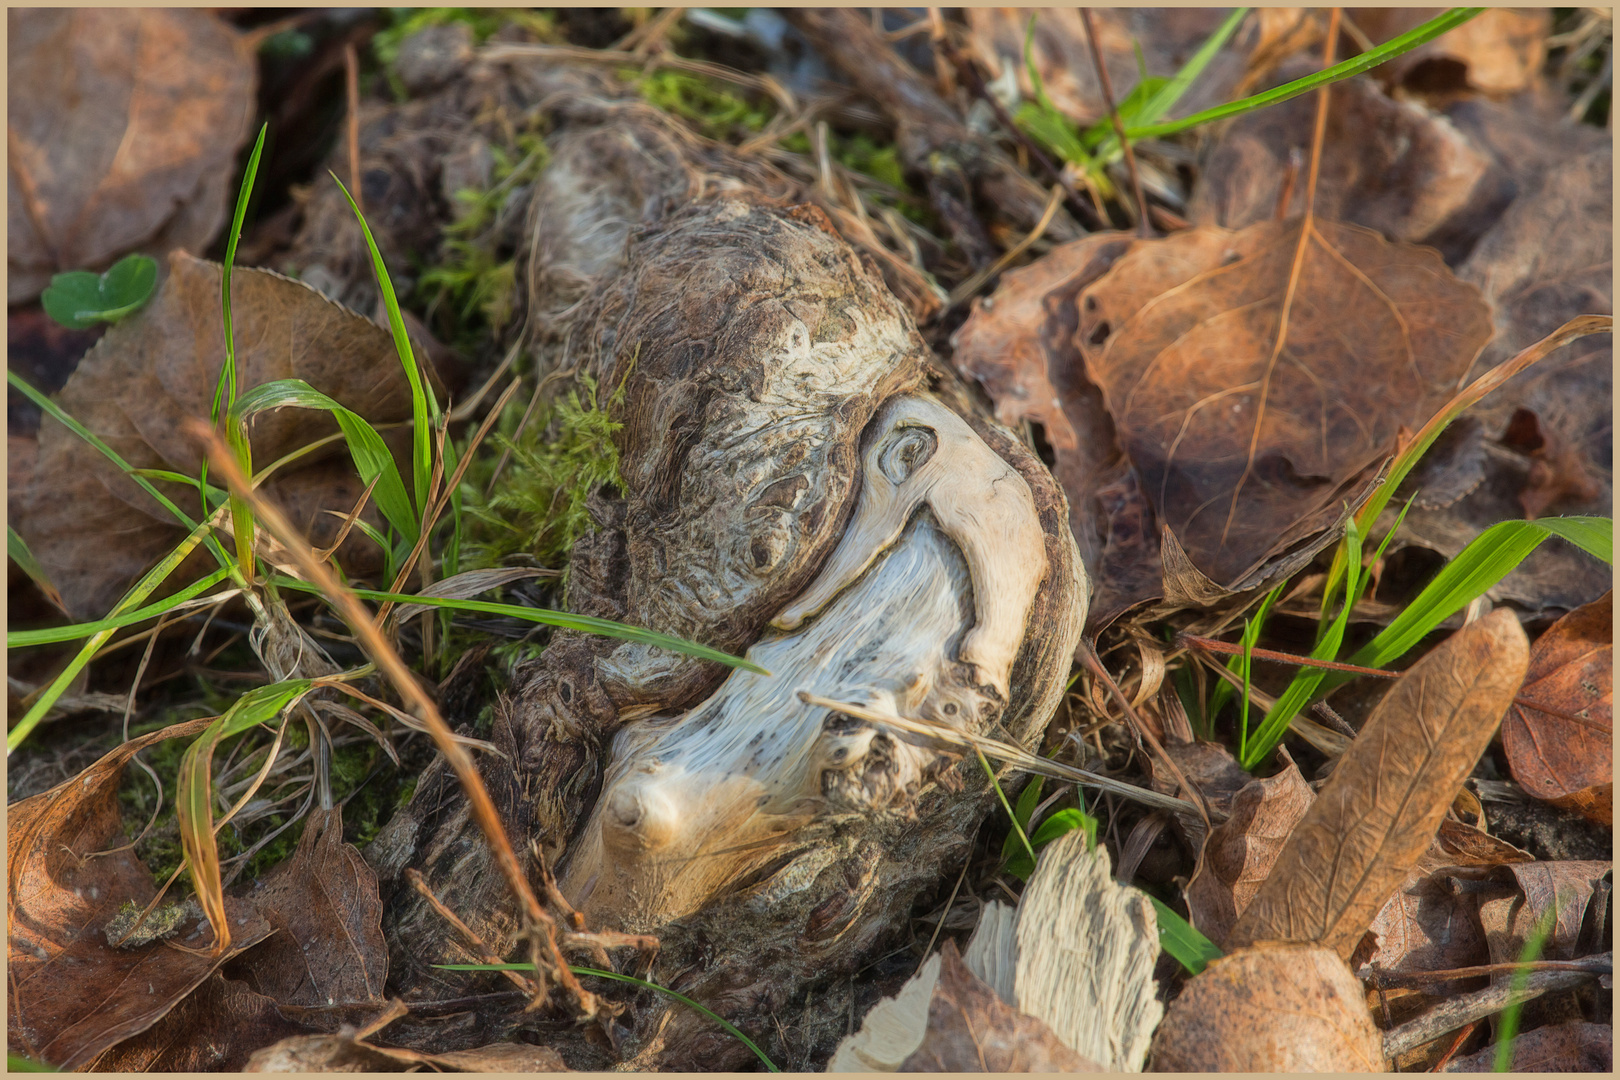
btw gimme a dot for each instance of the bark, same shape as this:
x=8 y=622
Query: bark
x=805 y=482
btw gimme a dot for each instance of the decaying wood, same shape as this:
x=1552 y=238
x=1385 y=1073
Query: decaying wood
x=801 y=481
x=1076 y=955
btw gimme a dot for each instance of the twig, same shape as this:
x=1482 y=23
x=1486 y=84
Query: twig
x=1602 y=964
x=1143 y=223
x=1454 y=1013
x=1090 y=660
x=1204 y=644
x=536 y=922
x=1084 y=214
x=1014 y=755
x=947 y=912
x=351 y=82
x=481 y=948
x=1456 y=1044
x=972 y=285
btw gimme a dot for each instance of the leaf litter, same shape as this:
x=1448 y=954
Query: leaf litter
x=1447 y=162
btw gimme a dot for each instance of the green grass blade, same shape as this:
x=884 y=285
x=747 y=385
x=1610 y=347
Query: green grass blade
x=1251 y=634
x=225 y=389
x=366 y=446
x=633 y=981
x=17 y=548
x=1191 y=949
x=216 y=496
x=1487 y=559
x=18 y=1063
x=585 y=624
x=1508 y=1028
x=1327 y=76
x=55 y=411
x=1303 y=688
x=132 y=599
x=1164 y=99
x=1002 y=795
x=424 y=405
x=22 y=639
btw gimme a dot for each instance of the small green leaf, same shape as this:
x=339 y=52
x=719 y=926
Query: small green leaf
x=1191 y=949
x=79 y=299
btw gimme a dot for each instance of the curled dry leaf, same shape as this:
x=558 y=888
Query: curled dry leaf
x=1242 y=850
x=1556 y=895
x=93 y=529
x=1168 y=37
x=126 y=139
x=1259 y=379
x=1576 y=1046
x=70 y=869
x=970 y=1029
x=1562 y=751
x=1380 y=809
x=323 y=902
x=1431 y=922
x=1270 y=1008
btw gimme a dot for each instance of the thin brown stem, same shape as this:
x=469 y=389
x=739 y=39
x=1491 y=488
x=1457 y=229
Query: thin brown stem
x=1084 y=214
x=1093 y=663
x=351 y=84
x=485 y=954
x=1143 y=222
x=382 y=653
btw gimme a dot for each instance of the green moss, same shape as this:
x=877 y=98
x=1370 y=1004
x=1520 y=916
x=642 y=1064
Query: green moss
x=482 y=21
x=476 y=274
x=537 y=508
x=716 y=111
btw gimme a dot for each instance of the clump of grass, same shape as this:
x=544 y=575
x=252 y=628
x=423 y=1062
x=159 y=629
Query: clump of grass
x=536 y=507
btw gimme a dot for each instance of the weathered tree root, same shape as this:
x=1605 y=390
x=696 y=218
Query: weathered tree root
x=791 y=456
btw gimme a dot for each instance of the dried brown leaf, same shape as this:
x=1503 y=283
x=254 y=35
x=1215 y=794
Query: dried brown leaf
x=1259 y=379
x=323 y=902
x=216 y=1029
x=126 y=138
x=1382 y=806
x=1576 y=1046
x=1431 y=923
x=1019 y=344
x=970 y=1029
x=1499 y=51
x=346 y=1053
x=1548 y=260
x=1538 y=891
x=93 y=529
x=72 y=995
x=1563 y=752
x=1270 y=1008
x=1395 y=167
x=1242 y=850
